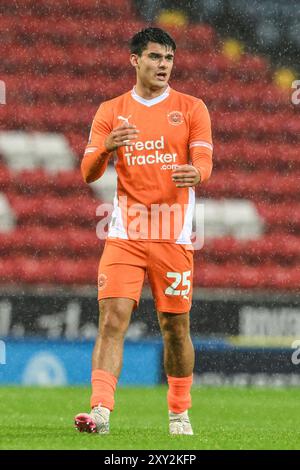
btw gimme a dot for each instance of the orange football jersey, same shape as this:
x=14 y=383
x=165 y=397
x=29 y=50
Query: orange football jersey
x=174 y=130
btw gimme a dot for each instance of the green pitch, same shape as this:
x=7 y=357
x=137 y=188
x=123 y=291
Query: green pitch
x=222 y=418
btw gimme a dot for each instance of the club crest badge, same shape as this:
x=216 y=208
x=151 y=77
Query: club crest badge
x=175 y=118
x=102 y=279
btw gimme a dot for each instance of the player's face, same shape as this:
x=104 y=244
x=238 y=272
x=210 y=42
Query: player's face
x=155 y=65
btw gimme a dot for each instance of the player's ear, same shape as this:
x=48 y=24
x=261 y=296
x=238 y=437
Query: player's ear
x=134 y=60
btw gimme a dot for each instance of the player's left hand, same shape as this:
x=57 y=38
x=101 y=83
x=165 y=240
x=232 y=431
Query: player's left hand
x=185 y=176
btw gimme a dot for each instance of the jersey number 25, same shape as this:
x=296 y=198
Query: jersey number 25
x=179 y=278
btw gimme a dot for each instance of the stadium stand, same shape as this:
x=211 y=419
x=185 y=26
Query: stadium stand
x=66 y=70
x=22 y=150
x=238 y=218
x=7 y=216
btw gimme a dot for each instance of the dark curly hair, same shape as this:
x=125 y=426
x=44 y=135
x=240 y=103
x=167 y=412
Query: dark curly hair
x=139 y=41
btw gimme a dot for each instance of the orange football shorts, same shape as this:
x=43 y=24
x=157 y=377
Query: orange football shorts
x=169 y=266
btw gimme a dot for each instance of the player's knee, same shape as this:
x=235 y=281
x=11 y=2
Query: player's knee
x=175 y=336
x=114 y=317
x=174 y=331
x=112 y=328
x=113 y=323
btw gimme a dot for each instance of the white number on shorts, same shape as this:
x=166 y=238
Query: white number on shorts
x=179 y=278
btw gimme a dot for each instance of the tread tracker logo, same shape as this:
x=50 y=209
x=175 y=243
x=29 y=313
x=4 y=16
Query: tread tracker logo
x=168 y=160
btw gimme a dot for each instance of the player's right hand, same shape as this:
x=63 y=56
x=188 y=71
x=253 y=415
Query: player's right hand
x=120 y=136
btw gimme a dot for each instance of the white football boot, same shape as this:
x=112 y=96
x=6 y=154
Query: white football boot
x=96 y=421
x=179 y=423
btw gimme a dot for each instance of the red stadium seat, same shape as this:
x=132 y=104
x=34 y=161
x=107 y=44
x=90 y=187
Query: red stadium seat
x=240 y=276
x=52 y=210
x=279 y=247
x=76 y=272
x=8 y=271
x=252 y=68
x=259 y=185
x=5 y=178
x=281 y=216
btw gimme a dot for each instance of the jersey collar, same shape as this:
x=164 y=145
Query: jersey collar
x=153 y=101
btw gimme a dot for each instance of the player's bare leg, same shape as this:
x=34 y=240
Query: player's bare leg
x=179 y=355
x=115 y=314
x=179 y=360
